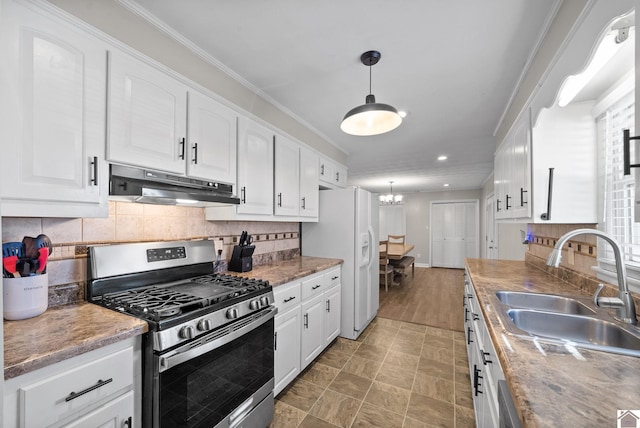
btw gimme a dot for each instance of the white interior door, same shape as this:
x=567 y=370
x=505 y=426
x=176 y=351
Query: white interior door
x=454 y=231
x=491 y=243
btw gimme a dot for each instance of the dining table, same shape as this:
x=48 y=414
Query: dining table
x=396 y=251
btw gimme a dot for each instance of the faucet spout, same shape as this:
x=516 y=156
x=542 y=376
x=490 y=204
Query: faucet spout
x=624 y=304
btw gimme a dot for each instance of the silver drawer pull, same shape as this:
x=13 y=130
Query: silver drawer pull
x=100 y=383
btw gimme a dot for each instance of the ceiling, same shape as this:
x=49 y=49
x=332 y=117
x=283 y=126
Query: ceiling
x=452 y=65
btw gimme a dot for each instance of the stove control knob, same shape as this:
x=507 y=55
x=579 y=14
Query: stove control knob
x=186 y=332
x=204 y=325
x=254 y=304
x=264 y=301
x=232 y=313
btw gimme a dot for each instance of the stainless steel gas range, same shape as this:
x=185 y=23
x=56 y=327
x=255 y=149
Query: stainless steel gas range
x=208 y=356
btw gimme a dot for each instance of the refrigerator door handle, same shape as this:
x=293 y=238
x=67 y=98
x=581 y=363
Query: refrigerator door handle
x=371 y=246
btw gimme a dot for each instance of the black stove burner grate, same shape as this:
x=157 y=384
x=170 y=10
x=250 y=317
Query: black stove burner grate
x=158 y=303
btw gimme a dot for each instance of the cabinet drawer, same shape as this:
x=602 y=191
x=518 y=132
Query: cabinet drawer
x=287 y=296
x=69 y=392
x=332 y=278
x=313 y=286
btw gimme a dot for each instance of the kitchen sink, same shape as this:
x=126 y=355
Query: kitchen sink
x=544 y=302
x=581 y=331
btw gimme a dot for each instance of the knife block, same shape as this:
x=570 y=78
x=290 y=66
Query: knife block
x=242 y=258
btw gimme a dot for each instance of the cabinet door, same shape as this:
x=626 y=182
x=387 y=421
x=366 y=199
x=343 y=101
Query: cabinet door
x=332 y=316
x=52 y=115
x=312 y=330
x=309 y=193
x=287 y=177
x=326 y=171
x=147 y=116
x=340 y=176
x=287 y=348
x=255 y=168
x=116 y=413
x=501 y=182
x=211 y=135
x=521 y=170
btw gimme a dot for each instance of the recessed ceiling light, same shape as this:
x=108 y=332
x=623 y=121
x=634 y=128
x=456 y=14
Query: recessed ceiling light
x=446 y=184
x=443 y=157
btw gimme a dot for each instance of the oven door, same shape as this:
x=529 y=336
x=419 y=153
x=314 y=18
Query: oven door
x=222 y=379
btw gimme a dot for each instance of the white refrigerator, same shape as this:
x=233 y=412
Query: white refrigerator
x=348 y=229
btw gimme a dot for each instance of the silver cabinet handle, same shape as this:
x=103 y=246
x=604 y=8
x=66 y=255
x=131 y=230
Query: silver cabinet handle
x=74 y=395
x=243 y=194
x=279 y=199
x=195 y=154
x=94 y=164
x=306 y=320
x=304 y=203
x=182 y=143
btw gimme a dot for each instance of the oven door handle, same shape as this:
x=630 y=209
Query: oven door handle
x=209 y=342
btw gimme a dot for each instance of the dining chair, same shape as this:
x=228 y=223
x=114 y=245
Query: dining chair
x=385 y=268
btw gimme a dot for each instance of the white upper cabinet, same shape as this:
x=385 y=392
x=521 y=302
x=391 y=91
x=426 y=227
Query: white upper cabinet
x=52 y=115
x=296 y=179
x=255 y=168
x=147 y=116
x=211 y=133
x=309 y=196
x=287 y=177
x=157 y=122
x=331 y=174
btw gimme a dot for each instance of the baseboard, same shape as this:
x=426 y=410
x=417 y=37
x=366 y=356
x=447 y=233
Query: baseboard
x=425 y=265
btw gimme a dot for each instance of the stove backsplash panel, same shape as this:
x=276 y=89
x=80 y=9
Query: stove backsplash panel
x=135 y=222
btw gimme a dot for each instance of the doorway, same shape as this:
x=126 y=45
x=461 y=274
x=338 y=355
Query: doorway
x=454 y=233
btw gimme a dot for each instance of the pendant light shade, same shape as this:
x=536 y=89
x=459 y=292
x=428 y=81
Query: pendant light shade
x=371 y=118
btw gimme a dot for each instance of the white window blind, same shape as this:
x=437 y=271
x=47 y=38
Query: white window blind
x=618 y=189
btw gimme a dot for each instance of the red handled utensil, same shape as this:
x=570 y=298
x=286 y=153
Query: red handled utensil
x=9 y=264
x=42 y=259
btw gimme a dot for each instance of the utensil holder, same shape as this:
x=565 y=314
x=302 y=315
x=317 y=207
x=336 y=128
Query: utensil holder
x=25 y=297
x=241 y=258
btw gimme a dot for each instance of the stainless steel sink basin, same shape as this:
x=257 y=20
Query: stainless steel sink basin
x=544 y=302
x=584 y=331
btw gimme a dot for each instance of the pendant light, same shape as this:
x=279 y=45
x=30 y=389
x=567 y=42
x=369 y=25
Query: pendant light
x=390 y=199
x=371 y=118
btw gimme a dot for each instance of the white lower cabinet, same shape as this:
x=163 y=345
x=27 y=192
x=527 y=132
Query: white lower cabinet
x=308 y=321
x=96 y=389
x=484 y=368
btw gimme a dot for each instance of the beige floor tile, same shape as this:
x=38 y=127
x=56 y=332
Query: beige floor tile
x=286 y=415
x=302 y=395
x=413 y=327
x=320 y=374
x=434 y=387
x=429 y=410
x=410 y=335
x=460 y=357
x=438 y=341
x=336 y=408
x=413 y=423
x=371 y=352
x=388 y=397
x=433 y=331
x=351 y=385
x=345 y=346
x=312 y=422
x=373 y=416
x=362 y=367
x=440 y=369
x=396 y=376
x=465 y=418
x=407 y=346
x=462 y=393
x=388 y=322
x=379 y=339
x=400 y=359
x=461 y=374
x=333 y=358
x=438 y=354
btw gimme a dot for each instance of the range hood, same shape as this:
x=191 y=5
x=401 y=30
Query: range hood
x=153 y=187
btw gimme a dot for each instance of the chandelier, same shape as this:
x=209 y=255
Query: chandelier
x=390 y=199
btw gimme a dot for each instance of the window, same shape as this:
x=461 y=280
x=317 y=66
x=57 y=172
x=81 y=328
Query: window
x=618 y=190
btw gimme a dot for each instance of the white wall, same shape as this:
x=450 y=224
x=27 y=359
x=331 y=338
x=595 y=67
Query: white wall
x=417 y=207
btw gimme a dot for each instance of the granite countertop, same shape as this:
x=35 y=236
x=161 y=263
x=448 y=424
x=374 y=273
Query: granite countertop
x=63 y=332
x=66 y=331
x=284 y=271
x=553 y=385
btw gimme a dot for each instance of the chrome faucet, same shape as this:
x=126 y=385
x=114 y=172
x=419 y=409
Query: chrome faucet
x=624 y=304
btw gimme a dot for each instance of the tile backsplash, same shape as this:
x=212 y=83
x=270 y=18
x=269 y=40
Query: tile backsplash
x=133 y=222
